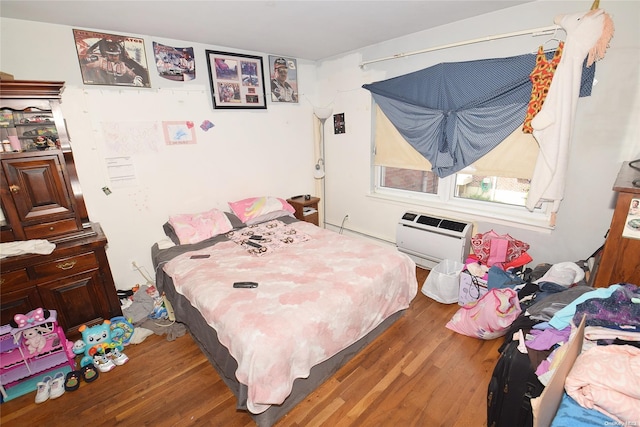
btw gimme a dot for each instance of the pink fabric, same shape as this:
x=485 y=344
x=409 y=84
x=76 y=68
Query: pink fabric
x=607 y=378
x=497 y=251
x=481 y=244
x=194 y=228
x=253 y=207
x=314 y=299
x=489 y=317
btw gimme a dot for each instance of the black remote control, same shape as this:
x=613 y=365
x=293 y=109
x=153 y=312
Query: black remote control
x=255 y=245
x=245 y=285
x=256 y=237
x=200 y=256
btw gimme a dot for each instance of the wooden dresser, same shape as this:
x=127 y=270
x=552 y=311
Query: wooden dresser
x=42 y=200
x=620 y=261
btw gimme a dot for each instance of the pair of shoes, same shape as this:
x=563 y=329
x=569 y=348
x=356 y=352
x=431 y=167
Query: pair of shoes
x=50 y=388
x=88 y=373
x=117 y=357
x=43 y=389
x=57 y=386
x=103 y=363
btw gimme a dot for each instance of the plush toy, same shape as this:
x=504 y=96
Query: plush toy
x=32 y=327
x=34 y=340
x=95 y=340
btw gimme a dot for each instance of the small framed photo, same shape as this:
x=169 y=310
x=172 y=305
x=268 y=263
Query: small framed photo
x=237 y=80
x=284 y=79
x=109 y=59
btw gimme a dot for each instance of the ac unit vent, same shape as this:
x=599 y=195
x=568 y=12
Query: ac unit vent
x=409 y=216
x=429 y=220
x=452 y=225
x=429 y=240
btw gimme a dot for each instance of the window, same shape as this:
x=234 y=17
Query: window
x=494 y=187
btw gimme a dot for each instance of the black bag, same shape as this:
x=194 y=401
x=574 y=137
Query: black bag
x=513 y=384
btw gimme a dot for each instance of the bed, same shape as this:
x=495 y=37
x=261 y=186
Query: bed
x=321 y=298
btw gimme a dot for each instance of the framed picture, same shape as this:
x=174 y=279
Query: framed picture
x=109 y=59
x=237 y=80
x=284 y=79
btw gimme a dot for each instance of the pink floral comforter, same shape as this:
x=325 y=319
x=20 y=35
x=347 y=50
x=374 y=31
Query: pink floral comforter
x=314 y=299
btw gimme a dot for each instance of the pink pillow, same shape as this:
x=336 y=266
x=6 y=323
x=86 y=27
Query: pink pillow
x=255 y=207
x=194 y=228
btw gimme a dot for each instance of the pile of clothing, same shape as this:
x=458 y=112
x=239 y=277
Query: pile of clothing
x=146 y=309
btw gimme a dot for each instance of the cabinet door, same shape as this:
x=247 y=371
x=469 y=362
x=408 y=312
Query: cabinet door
x=41 y=194
x=80 y=300
x=38 y=187
x=20 y=301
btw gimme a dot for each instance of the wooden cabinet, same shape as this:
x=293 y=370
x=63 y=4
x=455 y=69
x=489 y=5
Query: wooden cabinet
x=42 y=199
x=75 y=280
x=306 y=210
x=39 y=186
x=620 y=261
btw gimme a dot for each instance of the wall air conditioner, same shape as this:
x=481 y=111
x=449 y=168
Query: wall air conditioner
x=428 y=239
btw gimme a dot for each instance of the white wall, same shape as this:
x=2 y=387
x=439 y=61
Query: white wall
x=606 y=131
x=248 y=152
x=251 y=153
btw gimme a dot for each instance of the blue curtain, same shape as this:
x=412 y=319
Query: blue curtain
x=455 y=113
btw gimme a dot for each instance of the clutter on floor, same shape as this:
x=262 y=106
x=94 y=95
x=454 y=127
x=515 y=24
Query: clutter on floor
x=150 y=313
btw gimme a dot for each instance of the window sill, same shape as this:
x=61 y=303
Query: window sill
x=470 y=211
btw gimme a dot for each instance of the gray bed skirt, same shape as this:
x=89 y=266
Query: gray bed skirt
x=207 y=339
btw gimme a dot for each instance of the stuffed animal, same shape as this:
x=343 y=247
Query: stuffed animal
x=32 y=327
x=95 y=339
x=34 y=340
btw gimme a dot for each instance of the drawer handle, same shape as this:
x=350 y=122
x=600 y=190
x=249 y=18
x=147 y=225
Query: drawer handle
x=14 y=189
x=2 y=281
x=66 y=265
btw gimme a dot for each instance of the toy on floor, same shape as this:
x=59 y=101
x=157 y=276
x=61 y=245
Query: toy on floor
x=34 y=338
x=121 y=330
x=96 y=342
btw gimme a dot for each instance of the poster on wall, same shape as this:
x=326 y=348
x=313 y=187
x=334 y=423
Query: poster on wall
x=174 y=63
x=236 y=80
x=284 y=79
x=108 y=59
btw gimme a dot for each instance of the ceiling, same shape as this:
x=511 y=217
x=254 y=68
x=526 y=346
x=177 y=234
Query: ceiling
x=311 y=30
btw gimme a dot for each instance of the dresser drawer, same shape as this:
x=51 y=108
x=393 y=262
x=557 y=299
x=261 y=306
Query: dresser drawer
x=11 y=279
x=67 y=266
x=48 y=229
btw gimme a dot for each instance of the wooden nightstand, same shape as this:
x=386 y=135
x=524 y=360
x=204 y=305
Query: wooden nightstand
x=306 y=210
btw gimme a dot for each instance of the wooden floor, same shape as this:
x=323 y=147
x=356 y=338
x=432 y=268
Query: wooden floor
x=417 y=373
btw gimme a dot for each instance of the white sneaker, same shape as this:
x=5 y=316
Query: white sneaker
x=44 y=389
x=57 y=386
x=117 y=357
x=103 y=363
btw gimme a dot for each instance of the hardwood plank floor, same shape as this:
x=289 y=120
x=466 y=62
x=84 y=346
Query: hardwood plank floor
x=417 y=373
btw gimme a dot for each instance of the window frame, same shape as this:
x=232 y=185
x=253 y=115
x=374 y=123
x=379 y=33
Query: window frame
x=446 y=204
